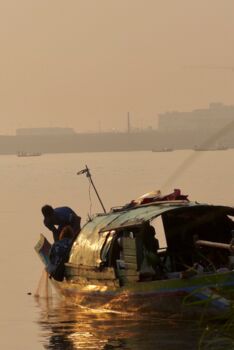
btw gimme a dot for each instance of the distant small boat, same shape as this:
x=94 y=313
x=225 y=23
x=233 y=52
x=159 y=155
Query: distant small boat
x=165 y=149
x=28 y=154
x=217 y=148
x=221 y=148
x=197 y=148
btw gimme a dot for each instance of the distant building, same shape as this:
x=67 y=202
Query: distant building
x=213 y=119
x=44 y=131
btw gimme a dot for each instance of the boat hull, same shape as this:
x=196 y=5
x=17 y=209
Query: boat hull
x=172 y=296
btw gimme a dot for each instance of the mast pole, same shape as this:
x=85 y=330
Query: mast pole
x=87 y=172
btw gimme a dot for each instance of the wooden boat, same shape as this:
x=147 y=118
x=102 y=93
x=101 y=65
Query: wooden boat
x=113 y=263
x=28 y=154
x=165 y=149
x=217 y=148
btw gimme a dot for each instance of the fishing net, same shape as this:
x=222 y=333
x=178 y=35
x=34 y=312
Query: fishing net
x=44 y=288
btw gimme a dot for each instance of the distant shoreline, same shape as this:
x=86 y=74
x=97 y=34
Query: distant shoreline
x=111 y=142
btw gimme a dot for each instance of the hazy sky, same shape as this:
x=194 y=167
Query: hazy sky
x=86 y=63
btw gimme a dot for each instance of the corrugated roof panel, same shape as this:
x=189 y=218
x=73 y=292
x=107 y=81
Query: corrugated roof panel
x=142 y=214
x=86 y=249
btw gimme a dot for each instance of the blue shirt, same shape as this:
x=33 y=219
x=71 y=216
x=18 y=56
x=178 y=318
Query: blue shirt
x=62 y=216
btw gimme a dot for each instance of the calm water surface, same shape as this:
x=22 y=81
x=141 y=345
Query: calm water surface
x=28 y=183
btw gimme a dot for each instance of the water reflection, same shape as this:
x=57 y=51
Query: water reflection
x=68 y=327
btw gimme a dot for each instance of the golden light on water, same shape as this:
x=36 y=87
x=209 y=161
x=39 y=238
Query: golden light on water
x=94 y=287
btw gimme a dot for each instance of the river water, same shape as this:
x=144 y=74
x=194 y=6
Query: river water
x=29 y=182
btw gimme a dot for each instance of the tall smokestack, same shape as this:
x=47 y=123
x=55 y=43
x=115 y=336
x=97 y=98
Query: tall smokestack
x=129 y=126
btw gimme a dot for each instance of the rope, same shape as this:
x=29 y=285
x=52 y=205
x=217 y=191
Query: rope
x=90 y=199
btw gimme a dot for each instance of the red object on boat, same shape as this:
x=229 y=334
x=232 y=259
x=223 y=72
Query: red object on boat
x=156 y=196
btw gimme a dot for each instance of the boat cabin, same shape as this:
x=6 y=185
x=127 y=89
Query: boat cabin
x=154 y=241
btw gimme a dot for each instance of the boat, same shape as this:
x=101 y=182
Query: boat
x=28 y=154
x=221 y=148
x=113 y=263
x=165 y=149
x=217 y=148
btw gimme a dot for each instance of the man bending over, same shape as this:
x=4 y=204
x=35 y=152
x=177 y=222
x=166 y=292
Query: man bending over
x=55 y=219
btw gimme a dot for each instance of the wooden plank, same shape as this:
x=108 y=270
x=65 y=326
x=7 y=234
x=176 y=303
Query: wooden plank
x=85 y=281
x=129 y=252
x=129 y=243
x=107 y=274
x=95 y=275
x=84 y=267
x=131 y=265
x=130 y=259
x=127 y=279
x=80 y=280
x=43 y=247
x=131 y=273
x=215 y=244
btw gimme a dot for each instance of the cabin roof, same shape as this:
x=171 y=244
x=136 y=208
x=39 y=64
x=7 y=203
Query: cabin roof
x=139 y=215
x=86 y=249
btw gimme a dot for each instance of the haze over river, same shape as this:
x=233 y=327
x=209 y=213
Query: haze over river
x=29 y=182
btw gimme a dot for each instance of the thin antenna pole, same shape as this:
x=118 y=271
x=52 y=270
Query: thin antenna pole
x=128 y=124
x=87 y=172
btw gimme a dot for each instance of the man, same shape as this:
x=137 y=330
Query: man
x=59 y=254
x=55 y=219
x=150 y=242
